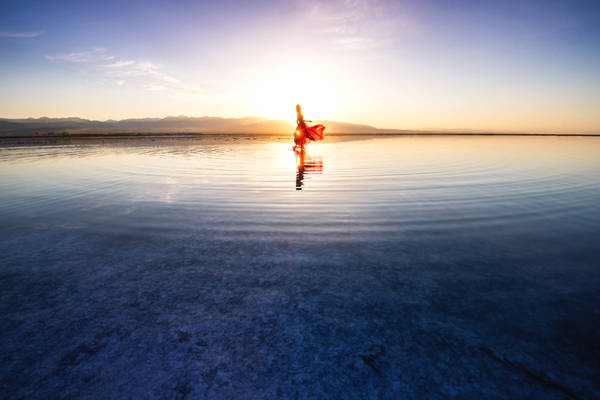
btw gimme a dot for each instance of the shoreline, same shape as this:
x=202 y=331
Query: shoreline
x=187 y=135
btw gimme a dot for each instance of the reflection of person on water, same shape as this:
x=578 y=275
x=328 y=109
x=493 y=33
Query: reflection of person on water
x=300 y=168
x=304 y=133
x=306 y=164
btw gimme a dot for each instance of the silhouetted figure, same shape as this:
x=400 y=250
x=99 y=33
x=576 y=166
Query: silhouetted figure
x=304 y=133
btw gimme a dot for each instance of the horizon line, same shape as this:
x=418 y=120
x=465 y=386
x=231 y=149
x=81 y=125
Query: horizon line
x=183 y=135
x=400 y=131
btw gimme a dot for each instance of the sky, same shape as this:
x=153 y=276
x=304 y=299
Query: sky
x=502 y=66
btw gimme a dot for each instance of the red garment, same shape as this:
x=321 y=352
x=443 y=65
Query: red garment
x=315 y=132
x=304 y=134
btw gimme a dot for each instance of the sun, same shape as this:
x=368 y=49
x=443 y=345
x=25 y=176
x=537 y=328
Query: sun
x=276 y=94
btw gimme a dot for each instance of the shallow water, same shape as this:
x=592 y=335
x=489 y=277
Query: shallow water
x=458 y=266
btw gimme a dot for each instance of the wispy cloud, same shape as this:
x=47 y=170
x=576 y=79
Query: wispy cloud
x=145 y=74
x=357 y=24
x=95 y=55
x=119 y=64
x=21 y=34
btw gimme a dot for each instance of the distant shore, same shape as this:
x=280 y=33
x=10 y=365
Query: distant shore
x=184 y=126
x=174 y=135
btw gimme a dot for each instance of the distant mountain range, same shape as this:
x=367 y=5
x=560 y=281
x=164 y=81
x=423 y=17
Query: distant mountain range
x=73 y=127
x=180 y=124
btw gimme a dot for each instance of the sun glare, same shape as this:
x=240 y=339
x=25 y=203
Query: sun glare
x=276 y=94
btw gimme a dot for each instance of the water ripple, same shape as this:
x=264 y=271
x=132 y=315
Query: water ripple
x=390 y=185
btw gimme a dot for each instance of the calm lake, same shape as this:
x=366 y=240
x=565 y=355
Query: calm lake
x=369 y=266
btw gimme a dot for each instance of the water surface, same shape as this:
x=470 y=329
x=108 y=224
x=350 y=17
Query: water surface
x=371 y=266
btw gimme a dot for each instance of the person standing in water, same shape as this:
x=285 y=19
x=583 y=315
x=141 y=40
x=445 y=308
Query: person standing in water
x=304 y=133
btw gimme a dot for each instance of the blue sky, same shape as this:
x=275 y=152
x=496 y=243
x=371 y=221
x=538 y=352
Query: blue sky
x=502 y=66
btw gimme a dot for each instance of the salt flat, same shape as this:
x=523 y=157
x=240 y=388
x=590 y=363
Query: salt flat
x=227 y=267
